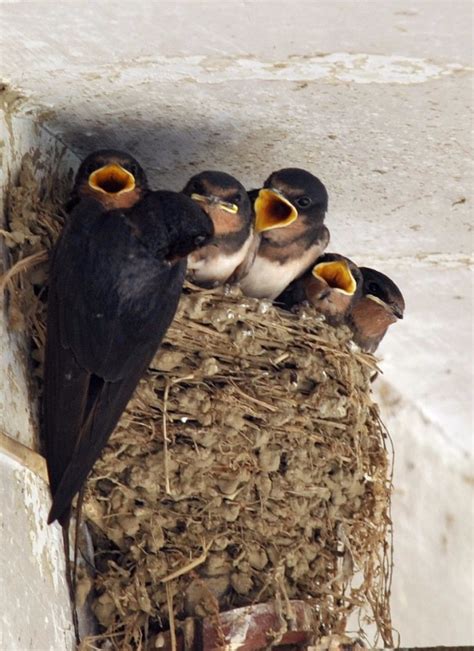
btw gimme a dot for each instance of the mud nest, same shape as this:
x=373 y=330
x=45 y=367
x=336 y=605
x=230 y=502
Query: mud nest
x=250 y=465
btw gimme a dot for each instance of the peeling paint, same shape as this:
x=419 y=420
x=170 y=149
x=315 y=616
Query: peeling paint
x=357 y=68
x=340 y=66
x=442 y=260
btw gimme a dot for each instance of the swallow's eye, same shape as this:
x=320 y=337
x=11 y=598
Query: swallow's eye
x=132 y=168
x=199 y=240
x=238 y=198
x=373 y=289
x=303 y=202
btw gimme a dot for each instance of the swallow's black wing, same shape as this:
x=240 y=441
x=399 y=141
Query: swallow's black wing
x=110 y=304
x=292 y=296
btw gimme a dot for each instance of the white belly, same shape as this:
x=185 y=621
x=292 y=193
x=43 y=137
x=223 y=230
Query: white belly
x=218 y=268
x=267 y=278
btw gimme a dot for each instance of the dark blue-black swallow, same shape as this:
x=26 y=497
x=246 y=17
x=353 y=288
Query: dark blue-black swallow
x=115 y=281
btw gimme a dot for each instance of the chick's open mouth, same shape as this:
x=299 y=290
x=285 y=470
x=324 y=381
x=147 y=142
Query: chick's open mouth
x=112 y=179
x=273 y=210
x=337 y=275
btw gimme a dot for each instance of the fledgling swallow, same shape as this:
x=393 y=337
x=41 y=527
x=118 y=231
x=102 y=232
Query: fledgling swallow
x=113 y=178
x=115 y=281
x=332 y=286
x=226 y=202
x=289 y=222
x=380 y=305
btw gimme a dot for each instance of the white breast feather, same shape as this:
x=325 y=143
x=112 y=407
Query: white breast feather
x=218 y=268
x=268 y=278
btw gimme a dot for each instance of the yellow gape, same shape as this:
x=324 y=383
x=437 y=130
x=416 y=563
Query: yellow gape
x=337 y=275
x=112 y=179
x=273 y=210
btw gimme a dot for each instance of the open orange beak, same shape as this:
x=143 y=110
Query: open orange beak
x=337 y=275
x=112 y=179
x=273 y=210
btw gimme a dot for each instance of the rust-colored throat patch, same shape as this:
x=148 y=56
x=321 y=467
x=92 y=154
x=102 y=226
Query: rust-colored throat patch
x=337 y=275
x=273 y=210
x=112 y=179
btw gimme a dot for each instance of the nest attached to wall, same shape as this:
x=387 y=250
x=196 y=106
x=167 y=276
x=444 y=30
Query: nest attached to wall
x=250 y=465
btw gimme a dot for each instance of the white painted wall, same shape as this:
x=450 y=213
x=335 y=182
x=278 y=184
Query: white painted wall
x=372 y=96
x=432 y=510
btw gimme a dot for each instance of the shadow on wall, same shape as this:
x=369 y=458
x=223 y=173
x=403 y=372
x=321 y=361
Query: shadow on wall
x=172 y=154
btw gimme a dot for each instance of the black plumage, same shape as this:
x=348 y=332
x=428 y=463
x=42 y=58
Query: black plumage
x=115 y=282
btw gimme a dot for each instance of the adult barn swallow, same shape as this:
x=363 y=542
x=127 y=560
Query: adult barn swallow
x=115 y=282
x=380 y=305
x=289 y=220
x=112 y=177
x=226 y=202
x=332 y=286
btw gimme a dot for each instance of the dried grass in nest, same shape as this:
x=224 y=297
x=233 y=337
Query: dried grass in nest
x=250 y=465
